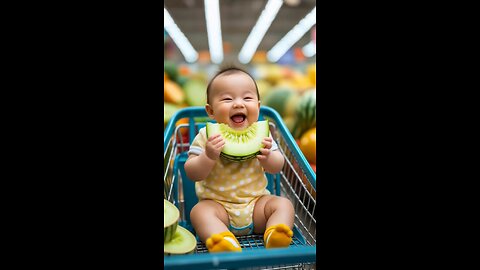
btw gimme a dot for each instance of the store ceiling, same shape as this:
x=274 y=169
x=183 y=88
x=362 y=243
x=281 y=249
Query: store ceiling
x=237 y=19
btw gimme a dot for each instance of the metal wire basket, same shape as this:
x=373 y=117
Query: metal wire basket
x=296 y=181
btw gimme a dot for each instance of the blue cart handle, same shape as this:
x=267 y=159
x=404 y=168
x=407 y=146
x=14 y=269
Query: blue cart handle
x=247 y=258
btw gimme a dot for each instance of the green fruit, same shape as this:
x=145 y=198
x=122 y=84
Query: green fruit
x=170 y=220
x=283 y=99
x=240 y=145
x=202 y=119
x=183 y=242
x=168 y=111
x=289 y=122
x=264 y=88
x=171 y=70
x=182 y=80
x=195 y=92
x=306 y=113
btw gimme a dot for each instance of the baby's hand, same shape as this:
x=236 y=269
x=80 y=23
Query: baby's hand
x=214 y=146
x=265 y=151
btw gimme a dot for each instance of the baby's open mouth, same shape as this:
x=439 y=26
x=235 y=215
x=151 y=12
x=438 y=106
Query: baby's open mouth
x=238 y=118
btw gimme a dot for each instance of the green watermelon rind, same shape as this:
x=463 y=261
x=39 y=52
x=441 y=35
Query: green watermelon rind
x=306 y=114
x=170 y=227
x=282 y=100
x=238 y=159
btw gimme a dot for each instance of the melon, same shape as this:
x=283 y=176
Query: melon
x=171 y=70
x=172 y=92
x=182 y=242
x=283 y=99
x=240 y=145
x=168 y=110
x=305 y=112
x=170 y=220
x=182 y=80
x=273 y=73
x=264 y=88
x=195 y=92
x=289 y=122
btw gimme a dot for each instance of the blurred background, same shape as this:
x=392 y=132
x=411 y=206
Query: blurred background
x=275 y=40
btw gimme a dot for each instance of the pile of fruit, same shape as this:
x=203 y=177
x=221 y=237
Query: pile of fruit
x=291 y=92
x=176 y=239
x=181 y=88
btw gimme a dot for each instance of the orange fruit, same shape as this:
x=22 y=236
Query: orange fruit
x=173 y=93
x=183 y=130
x=308 y=145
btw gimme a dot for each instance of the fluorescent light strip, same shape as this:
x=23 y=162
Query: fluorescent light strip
x=214 y=31
x=259 y=30
x=292 y=36
x=179 y=38
x=310 y=49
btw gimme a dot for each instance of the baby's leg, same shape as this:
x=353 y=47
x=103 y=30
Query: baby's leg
x=274 y=215
x=210 y=221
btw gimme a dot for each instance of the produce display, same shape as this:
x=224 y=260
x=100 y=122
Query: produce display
x=275 y=43
x=177 y=240
x=291 y=91
x=305 y=113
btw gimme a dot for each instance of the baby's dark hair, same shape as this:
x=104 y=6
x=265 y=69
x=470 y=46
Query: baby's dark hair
x=231 y=69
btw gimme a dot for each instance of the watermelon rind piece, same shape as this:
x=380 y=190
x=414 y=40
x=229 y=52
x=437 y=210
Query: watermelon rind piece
x=170 y=220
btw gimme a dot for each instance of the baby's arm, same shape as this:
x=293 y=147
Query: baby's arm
x=198 y=167
x=271 y=161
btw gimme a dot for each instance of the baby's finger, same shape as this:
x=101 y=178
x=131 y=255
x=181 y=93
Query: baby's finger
x=216 y=140
x=220 y=145
x=264 y=151
x=261 y=157
x=267 y=144
x=213 y=137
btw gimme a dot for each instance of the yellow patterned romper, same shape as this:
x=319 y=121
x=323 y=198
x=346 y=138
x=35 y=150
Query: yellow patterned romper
x=235 y=185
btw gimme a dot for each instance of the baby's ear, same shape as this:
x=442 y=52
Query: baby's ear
x=209 y=110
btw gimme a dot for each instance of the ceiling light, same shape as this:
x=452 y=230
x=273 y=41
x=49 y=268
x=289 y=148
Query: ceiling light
x=214 y=31
x=310 y=49
x=259 y=30
x=179 y=38
x=292 y=36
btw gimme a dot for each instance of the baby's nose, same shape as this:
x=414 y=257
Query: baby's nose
x=237 y=104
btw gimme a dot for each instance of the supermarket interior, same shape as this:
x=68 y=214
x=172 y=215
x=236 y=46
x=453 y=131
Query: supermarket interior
x=275 y=42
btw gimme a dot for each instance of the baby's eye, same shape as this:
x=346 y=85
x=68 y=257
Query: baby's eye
x=226 y=99
x=248 y=98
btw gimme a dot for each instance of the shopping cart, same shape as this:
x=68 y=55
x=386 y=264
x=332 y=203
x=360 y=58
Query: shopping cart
x=296 y=182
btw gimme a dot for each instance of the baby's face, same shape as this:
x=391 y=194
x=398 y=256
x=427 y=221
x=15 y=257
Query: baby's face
x=234 y=100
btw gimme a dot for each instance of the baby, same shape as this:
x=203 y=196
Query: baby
x=233 y=199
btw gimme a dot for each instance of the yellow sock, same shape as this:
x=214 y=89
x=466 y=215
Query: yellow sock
x=224 y=241
x=278 y=235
